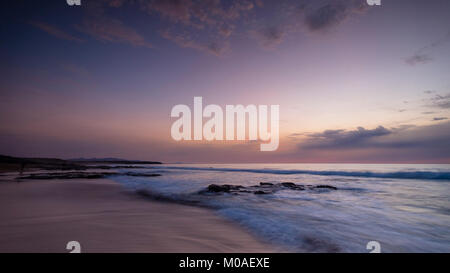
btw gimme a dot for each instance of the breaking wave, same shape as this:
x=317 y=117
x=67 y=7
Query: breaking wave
x=432 y=175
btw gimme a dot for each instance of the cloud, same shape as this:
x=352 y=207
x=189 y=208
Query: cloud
x=209 y=25
x=175 y=10
x=421 y=56
x=332 y=14
x=100 y=25
x=441 y=101
x=416 y=144
x=436 y=101
x=184 y=40
x=55 y=31
x=439 y=118
x=116 y=3
x=269 y=24
x=112 y=30
x=300 y=17
x=418 y=58
x=226 y=30
x=75 y=69
x=439 y=42
x=343 y=138
x=326 y=16
x=198 y=13
x=270 y=37
x=200 y=24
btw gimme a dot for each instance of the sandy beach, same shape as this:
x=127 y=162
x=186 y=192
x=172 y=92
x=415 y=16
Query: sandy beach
x=42 y=216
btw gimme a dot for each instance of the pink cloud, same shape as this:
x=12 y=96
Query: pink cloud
x=185 y=41
x=55 y=31
x=112 y=30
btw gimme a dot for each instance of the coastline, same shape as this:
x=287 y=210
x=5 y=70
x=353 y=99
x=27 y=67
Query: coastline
x=42 y=216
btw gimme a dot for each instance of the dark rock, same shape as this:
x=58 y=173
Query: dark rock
x=112 y=161
x=223 y=188
x=66 y=175
x=106 y=167
x=293 y=186
x=324 y=187
x=54 y=164
x=142 y=174
x=262 y=188
x=81 y=175
x=215 y=188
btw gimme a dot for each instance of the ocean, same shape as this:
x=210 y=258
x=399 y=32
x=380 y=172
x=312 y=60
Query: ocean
x=405 y=208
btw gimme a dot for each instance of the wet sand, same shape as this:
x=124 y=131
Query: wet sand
x=42 y=216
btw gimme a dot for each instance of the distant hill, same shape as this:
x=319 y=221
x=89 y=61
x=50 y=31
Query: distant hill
x=12 y=159
x=111 y=160
x=10 y=163
x=94 y=159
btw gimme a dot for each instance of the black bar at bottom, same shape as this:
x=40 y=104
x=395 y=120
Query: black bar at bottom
x=195 y=262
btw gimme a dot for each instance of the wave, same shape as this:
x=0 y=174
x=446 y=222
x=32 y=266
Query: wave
x=430 y=175
x=290 y=219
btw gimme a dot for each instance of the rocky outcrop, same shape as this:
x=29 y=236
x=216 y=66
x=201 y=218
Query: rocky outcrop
x=81 y=175
x=55 y=164
x=325 y=187
x=140 y=174
x=223 y=188
x=262 y=188
x=66 y=175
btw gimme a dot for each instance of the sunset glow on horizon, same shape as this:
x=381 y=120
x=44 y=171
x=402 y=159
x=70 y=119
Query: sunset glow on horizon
x=355 y=83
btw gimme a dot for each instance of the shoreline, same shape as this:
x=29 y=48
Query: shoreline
x=43 y=216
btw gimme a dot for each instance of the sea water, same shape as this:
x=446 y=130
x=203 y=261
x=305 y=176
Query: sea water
x=405 y=208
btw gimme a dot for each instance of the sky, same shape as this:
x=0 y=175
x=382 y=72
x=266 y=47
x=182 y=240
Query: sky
x=355 y=83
